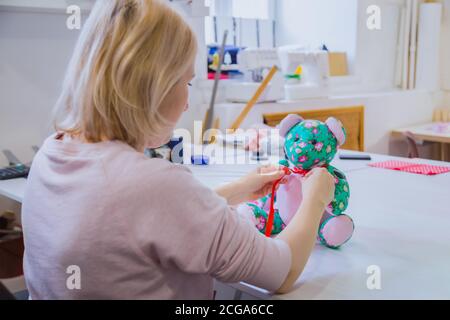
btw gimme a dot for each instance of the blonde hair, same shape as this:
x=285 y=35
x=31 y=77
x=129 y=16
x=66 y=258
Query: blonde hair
x=129 y=56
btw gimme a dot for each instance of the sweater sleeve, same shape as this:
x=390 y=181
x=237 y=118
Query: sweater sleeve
x=198 y=232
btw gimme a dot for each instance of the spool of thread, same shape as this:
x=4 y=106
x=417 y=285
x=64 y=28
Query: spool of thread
x=200 y=160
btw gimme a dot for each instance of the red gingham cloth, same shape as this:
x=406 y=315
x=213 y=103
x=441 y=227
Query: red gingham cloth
x=426 y=169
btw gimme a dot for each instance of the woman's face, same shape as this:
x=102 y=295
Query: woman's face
x=175 y=103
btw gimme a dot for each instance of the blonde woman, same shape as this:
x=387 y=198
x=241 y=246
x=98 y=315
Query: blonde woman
x=102 y=221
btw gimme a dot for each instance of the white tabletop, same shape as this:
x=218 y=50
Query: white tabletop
x=402 y=222
x=13 y=189
x=402 y=226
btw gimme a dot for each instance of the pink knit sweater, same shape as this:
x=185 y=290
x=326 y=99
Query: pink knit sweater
x=102 y=221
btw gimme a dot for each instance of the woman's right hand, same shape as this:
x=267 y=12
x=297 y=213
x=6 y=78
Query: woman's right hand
x=318 y=187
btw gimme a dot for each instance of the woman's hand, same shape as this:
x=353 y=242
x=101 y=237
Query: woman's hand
x=318 y=186
x=252 y=186
x=259 y=184
x=301 y=233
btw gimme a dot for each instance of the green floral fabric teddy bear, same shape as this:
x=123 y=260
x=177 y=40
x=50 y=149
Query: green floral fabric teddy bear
x=308 y=144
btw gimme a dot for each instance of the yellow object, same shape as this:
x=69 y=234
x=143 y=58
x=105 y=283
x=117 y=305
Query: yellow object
x=215 y=62
x=298 y=71
x=210 y=136
x=441 y=115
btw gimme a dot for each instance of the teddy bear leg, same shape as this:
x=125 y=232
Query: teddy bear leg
x=334 y=231
x=260 y=217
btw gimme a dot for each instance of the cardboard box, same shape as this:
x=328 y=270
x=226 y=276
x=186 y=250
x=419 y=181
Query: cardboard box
x=338 y=64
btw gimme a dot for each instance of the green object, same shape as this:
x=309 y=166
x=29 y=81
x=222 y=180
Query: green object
x=293 y=76
x=261 y=220
x=284 y=163
x=341 y=193
x=310 y=144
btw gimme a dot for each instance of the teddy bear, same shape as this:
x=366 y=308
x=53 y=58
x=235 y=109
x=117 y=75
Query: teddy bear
x=307 y=144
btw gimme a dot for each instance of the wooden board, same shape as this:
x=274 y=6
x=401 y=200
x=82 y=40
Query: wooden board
x=351 y=117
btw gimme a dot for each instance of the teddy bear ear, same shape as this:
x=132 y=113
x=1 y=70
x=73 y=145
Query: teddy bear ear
x=337 y=129
x=288 y=123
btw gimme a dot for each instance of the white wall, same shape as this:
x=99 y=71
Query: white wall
x=376 y=49
x=35 y=49
x=446 y=99
x=445 y=52
x=309 y=23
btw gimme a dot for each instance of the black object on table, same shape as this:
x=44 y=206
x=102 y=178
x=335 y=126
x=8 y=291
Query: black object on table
x=355 y=156
x=13 y=172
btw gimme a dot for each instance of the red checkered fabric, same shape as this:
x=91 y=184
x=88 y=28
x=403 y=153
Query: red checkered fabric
x=425 y=169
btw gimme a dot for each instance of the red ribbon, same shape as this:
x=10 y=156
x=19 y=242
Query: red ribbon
x=288 y=171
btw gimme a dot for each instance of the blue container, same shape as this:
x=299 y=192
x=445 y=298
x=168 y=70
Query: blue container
x=200 y=160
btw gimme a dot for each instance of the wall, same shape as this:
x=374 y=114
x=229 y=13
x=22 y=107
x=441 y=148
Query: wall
x=447 y=99
x=309 y=23
x=376 y=49
x=445 y=52
x=35 y=49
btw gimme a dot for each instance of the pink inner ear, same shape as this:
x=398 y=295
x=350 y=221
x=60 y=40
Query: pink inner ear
x=288 y=123
x=336 y=127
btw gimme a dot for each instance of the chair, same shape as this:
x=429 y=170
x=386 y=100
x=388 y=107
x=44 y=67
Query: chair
x=413 y=150
x=351 y=117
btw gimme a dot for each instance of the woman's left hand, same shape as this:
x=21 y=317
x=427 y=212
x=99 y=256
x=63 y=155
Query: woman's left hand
x=252 y=186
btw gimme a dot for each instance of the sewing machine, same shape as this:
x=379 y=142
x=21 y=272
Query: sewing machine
x=255 y=64
x=306 y=72
x=303 y=74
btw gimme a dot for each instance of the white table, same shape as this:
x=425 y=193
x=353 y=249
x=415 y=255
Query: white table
x=402 y=226
x=13 y=189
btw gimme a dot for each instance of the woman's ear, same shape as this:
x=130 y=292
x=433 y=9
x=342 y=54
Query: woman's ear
x=337 y=129
x=288 y=123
